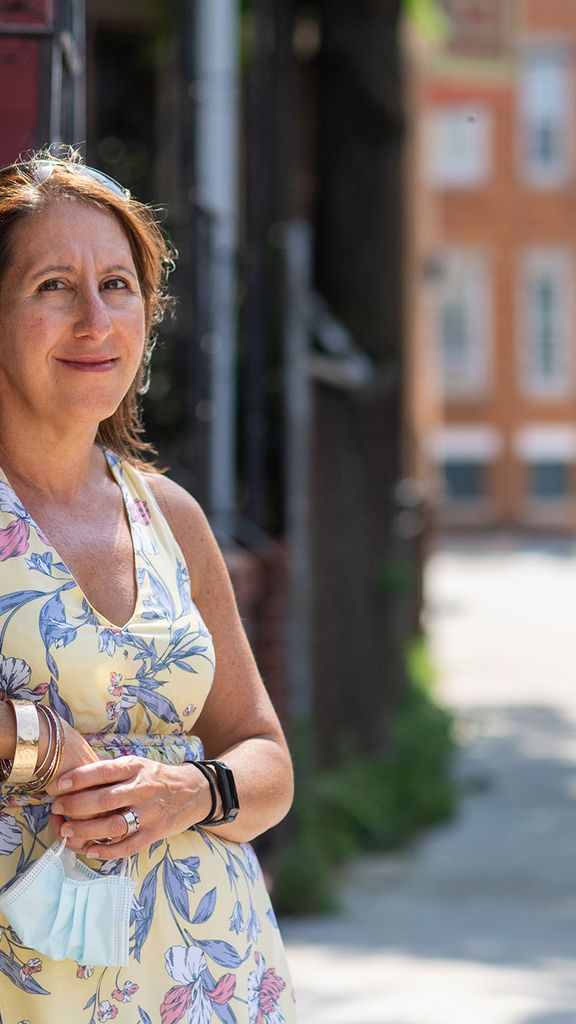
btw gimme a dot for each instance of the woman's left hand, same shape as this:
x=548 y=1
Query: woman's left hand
x=166 y=798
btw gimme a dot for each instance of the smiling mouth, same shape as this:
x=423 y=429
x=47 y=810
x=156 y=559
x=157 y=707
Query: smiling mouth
x=88 y=364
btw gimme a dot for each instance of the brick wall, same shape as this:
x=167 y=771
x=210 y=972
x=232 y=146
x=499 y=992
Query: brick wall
x=504 y=217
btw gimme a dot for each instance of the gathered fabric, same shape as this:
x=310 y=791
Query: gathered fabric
x=203 y=941
x=159 y=747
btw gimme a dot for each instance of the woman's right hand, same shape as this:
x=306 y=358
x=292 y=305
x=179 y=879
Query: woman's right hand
x=77 y=751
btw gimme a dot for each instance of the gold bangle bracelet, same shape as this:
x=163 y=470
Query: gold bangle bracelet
x=37 y=783
x=57 y=751
x=27 y=738
x=40 y=768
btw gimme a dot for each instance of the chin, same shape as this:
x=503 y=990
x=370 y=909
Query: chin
x=89 y=412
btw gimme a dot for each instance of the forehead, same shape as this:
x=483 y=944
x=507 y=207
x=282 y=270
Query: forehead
x=69 y=228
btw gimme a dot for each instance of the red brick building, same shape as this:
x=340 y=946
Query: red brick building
x=492 y=393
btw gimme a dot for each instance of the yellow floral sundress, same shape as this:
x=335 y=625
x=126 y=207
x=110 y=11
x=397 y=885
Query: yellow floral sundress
x=204 y=942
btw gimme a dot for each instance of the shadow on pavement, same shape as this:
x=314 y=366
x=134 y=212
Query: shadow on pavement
x=494 y=887
x=561 y=1017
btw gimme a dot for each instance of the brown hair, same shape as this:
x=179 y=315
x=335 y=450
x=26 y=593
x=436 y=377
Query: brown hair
x=26 y=188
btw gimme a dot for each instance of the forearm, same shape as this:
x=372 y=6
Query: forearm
x=264 y=779
x=169 y=799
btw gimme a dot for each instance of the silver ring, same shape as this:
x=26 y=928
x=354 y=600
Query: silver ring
x=132 y=821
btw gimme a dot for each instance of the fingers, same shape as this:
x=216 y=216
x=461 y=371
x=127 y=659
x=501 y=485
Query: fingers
x=57 y=820
x=100 y=773
x=94 y=802
x=165 y=798
x=81 y=833
x=98 y=789
x=124 y=848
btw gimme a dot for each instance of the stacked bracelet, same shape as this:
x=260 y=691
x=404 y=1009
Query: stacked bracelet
x=224 y=780
x=41 y=768
x=55 y=751
x=21 y=769
x=24 y=770
x=213 y=794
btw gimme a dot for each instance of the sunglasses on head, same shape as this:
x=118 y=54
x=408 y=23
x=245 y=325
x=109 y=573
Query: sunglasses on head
x=41 y=170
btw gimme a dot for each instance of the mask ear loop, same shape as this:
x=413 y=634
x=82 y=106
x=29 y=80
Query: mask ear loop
x=124 y=870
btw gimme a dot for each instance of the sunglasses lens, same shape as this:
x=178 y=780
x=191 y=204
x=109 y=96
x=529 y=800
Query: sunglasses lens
x=43 y=171
x=103 y=179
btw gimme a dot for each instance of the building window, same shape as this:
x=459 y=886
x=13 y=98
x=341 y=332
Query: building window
x=463 y=325
x=463 y=455
x=546 y=116
x=458 y=147
x=549 y=480
x=546 y=324
x=464 y=480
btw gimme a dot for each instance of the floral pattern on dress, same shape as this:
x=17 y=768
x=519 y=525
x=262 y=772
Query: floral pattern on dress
x=202 y=930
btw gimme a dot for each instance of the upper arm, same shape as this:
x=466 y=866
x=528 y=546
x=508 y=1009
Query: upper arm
x=238 y=705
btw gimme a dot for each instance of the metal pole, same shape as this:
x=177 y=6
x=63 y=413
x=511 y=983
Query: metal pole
x=297 y=432
x=258 y=186
x=217 y=175
x=56 y=93
x=79 y=83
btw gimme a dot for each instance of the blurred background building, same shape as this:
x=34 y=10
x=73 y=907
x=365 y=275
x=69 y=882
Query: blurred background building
x=492 y=264
x=272 y=133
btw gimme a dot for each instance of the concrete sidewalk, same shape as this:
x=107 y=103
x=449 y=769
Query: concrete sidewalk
x=477 y=924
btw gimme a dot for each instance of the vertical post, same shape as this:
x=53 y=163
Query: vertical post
x=56 y=92
x=217 y=174
x=258 y=176
x=79 y=82
x=68 y=74
x=297 y=429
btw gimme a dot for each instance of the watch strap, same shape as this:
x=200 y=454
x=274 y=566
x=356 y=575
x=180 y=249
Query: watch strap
x=227 y=790
x=213 y=794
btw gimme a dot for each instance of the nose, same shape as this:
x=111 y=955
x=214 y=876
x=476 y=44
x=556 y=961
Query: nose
x=93 y=319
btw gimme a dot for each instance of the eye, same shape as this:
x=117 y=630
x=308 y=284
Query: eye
x=54 y=284
x=115 y=284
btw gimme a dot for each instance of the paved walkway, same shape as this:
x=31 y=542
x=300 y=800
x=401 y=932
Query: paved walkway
x=477 y=924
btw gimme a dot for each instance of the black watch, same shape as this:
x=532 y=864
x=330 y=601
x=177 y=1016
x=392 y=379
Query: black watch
x=228 y=793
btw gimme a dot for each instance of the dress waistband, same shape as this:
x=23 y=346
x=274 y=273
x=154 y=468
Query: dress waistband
x=169 y=749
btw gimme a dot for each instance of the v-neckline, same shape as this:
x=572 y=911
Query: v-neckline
x=112 y=462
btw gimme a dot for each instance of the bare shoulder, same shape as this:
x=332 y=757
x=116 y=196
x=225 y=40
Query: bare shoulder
x=189 y=525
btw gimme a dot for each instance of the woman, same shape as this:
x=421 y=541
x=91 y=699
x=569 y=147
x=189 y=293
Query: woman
x=114 y=601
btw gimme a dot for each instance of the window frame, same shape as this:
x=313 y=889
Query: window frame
x=456 y=500
x=481 y=443
x=477 y=294
x=540 y=498
x=535 y=175
x=476 y=123
x=550 y=263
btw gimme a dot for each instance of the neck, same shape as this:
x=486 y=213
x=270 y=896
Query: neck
x=57 y=467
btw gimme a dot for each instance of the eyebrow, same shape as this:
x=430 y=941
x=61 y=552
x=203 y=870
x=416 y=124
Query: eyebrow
x=54 y=269
x=63 y=269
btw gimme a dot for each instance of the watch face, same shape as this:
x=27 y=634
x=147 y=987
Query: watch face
x=231 y=786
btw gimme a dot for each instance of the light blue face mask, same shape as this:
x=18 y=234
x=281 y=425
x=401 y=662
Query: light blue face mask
x=61 y=908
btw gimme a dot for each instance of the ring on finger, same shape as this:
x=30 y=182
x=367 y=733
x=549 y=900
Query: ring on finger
x=132 y=822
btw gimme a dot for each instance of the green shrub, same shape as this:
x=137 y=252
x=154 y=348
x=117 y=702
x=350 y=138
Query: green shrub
x=369 y=803
x=303 y=878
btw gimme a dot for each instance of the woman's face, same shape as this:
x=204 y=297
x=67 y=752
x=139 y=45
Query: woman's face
x=71 y=318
